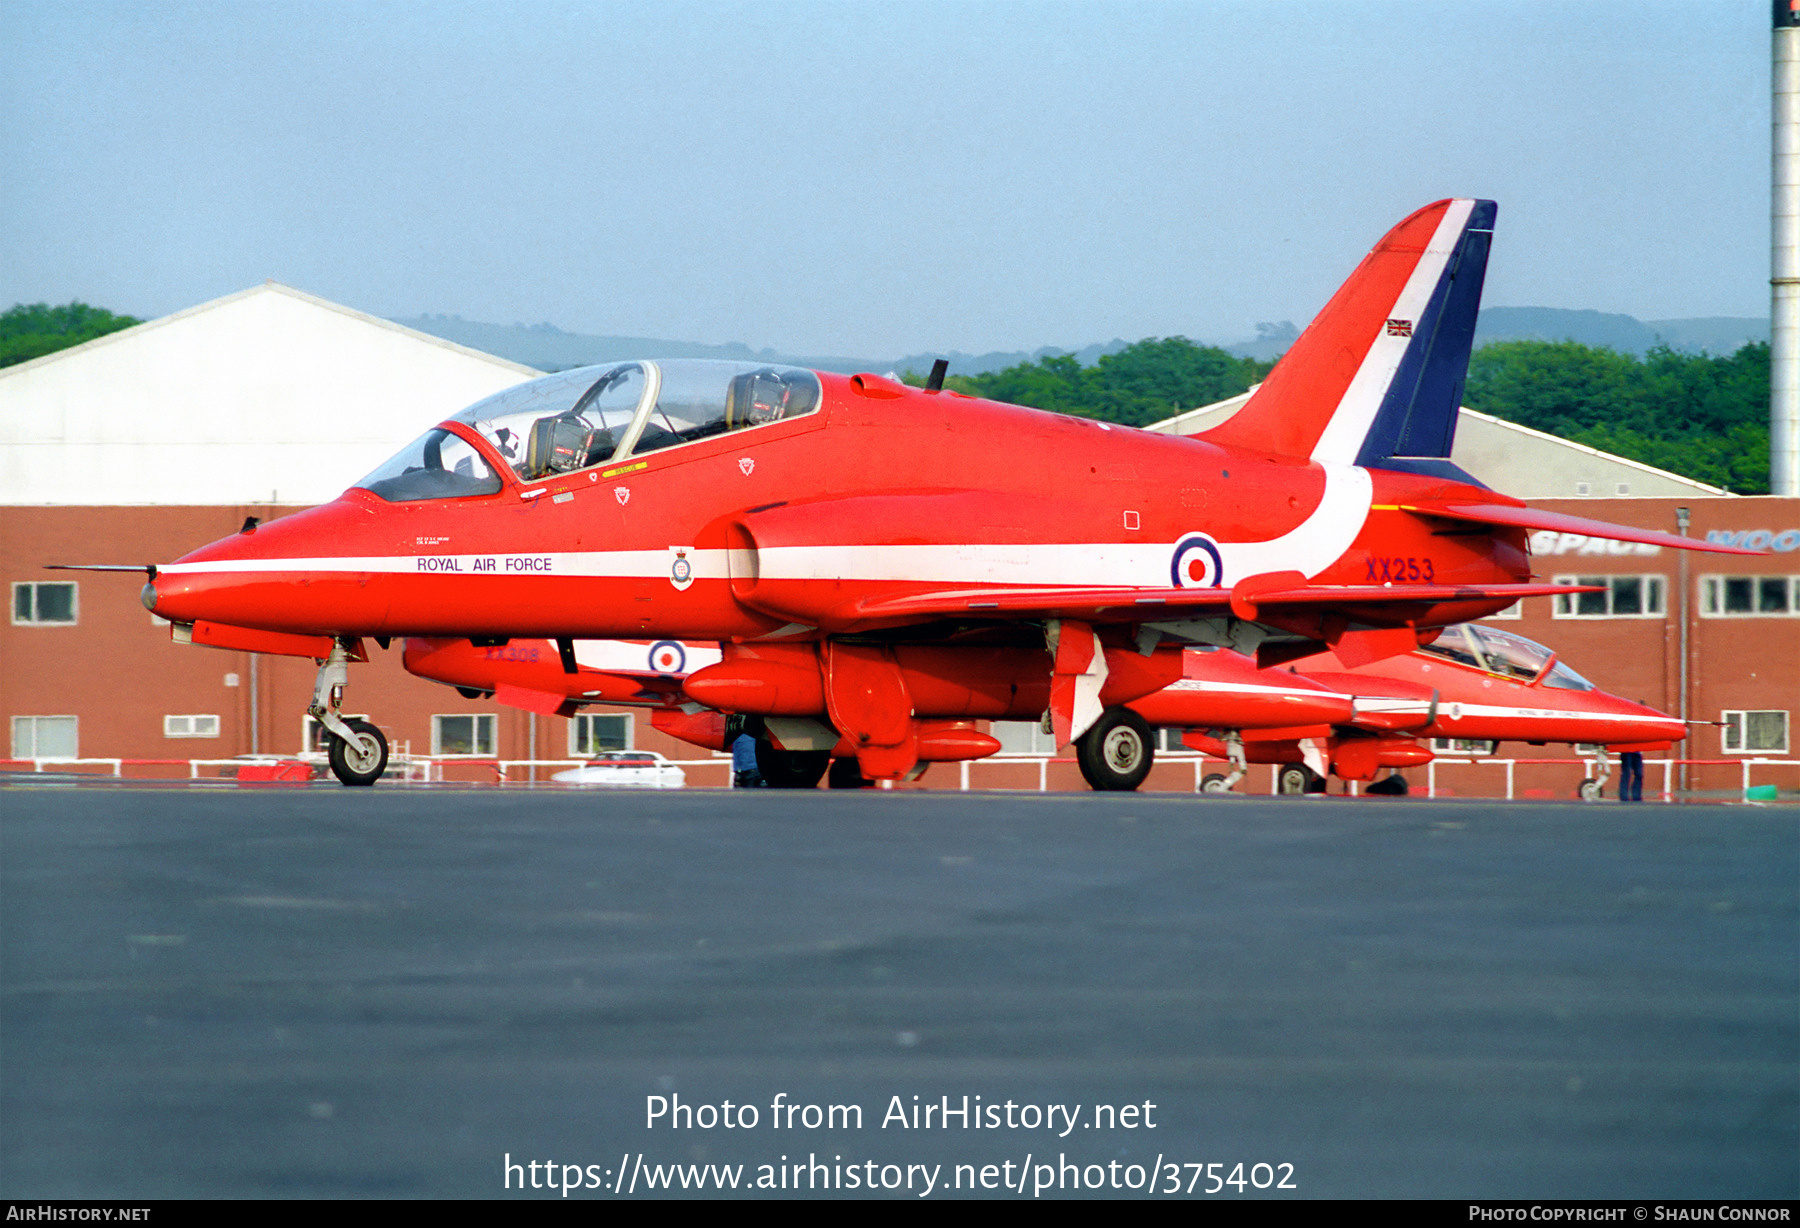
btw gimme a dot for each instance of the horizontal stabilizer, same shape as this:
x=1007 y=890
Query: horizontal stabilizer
x=1535 y=518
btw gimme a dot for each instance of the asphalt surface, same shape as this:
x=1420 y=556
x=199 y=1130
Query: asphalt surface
x=319 y=991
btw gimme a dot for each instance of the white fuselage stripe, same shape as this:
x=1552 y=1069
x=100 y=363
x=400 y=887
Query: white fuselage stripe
x=1309 y=548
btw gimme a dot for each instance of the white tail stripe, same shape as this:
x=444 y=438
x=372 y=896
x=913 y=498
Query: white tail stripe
x=1343 y=436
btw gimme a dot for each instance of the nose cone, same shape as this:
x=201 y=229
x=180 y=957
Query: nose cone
x=1640 y=723
x=300 y=573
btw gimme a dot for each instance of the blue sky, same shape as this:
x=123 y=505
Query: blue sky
x=876 y=179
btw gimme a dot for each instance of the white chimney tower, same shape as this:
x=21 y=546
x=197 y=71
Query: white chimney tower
x=1784 y=255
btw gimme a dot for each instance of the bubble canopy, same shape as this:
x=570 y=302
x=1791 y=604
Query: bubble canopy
x=598 y=415
x=1506 y=653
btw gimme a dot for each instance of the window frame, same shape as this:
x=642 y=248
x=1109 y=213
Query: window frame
x=492 y=720
x=1714 y=585
x=194 y=730
x=1474 y=748
x=34 y=621
x=580 y=718
x=1725 y=726
x=1037 y=735
x=34 y=756
x=1563 y=605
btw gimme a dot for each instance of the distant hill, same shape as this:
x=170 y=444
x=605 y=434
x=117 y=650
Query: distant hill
x=1720 y=335
x=549 y=348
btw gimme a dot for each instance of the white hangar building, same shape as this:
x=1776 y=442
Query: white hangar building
x=1505 y=456
x=268 y=396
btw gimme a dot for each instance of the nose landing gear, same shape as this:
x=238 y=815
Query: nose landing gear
x=356 y=749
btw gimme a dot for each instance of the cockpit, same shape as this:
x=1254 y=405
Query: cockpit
x=589 y=416
x=1506 y=654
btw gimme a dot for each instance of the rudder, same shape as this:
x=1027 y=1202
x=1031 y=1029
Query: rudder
x=1376 y=379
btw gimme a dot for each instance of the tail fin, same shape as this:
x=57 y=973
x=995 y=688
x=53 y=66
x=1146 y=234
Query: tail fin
x=1377 y=377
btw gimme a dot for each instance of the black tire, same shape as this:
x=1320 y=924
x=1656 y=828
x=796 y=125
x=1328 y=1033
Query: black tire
x=791 y=769
x=1214 y=782
x=847 y=774
x=1117 y=752
x=1590 y=790
x=1296 y=778
x=1393 y=786
x=361 y=765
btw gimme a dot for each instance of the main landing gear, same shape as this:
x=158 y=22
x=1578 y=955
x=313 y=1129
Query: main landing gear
x=357 y=751
x=1117 y=752
x=1297 y=778
x=790 y=769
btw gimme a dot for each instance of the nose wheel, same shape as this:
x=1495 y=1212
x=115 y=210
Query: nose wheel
x=356 y=750
x=361 y=759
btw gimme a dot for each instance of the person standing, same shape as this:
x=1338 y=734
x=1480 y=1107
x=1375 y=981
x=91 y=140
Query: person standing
x=744 y=773
x=1631 y=776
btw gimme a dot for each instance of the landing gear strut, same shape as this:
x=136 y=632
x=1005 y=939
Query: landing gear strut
x=356 y=749
x=1214 y=782
x=1594 y=787
x=1117 y=752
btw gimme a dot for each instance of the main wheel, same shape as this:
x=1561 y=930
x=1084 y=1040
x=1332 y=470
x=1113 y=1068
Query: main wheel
x=1214 y=782
x=1393 y=786
x=1297 y=778
x=847 y=774
x=361 y=762
x=1117 y=752
x=1589 y=790
x=790 y=769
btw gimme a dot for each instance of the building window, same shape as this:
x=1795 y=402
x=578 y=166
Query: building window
x=190 y=726
x=1621 y=597
x=1749 y=596
x=1514 y=611
x=1023 y=738
x=1463 y=746
x=44 y=737
x=593 y=732
x=1754 y=733
x=44 y=604
x=472 y=734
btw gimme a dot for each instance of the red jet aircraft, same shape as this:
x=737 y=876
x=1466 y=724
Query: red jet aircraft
x=876 y=560
x=1472 y=682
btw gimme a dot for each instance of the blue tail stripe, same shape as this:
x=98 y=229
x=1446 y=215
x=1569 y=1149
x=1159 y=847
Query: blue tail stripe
x=1417 y=418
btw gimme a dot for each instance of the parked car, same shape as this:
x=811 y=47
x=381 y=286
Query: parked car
x=625 y=769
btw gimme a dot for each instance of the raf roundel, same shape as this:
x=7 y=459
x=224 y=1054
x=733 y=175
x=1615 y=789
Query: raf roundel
x=1196 y=563
x=668 y=657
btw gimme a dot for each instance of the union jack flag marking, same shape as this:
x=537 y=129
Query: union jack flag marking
x=1399 y=328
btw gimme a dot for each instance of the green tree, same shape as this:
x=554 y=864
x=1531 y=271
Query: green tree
x=1700 y=415
x=1153 y=379
x=30 y=331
